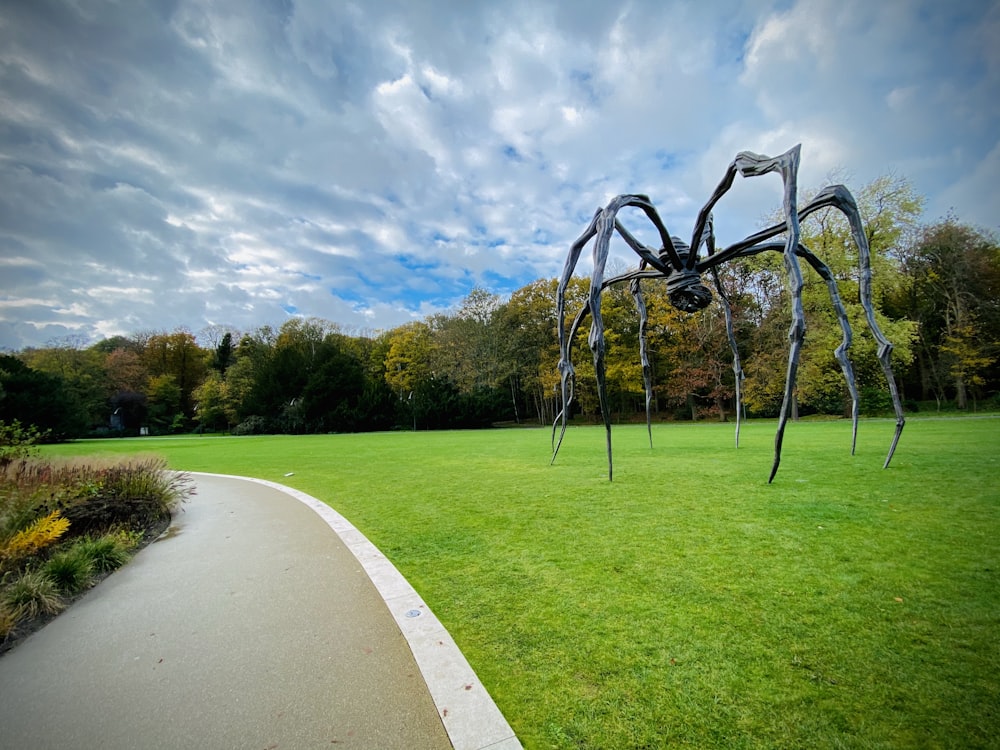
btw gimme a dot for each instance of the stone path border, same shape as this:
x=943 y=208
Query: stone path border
x=470 y=716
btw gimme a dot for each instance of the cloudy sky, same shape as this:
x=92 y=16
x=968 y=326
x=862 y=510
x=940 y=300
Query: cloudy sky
x=168 y=163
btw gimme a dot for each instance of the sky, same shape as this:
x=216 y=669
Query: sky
x=188 y=164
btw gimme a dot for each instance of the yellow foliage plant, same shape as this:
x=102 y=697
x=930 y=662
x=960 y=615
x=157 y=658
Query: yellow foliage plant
x=36 y=537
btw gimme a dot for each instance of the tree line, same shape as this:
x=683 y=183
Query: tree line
x=494 y=359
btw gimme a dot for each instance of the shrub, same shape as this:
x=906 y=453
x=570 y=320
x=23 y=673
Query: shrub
x=874 y=401
x=17 y=442
x=93 y=495
x=136 y=493
x=71 y=570
x=251 y=426
x=32 y=594
x=106 y=553
x=37 y=536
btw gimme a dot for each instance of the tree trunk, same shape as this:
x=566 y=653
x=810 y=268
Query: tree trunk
x=513 y=398
x=961 y=399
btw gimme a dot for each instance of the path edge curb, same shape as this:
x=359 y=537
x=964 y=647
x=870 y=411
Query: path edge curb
x=469 y=714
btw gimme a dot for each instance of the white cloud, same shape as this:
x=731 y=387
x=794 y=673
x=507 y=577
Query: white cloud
x=371 y=162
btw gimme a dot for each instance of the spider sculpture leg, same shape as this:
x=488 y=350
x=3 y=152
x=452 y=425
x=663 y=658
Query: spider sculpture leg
x=640 y=305
x=708 y=239
x=566 y=373
x=841 y=198
x=749 y=164
x=731 y=335
x=836 y=196
x=647 y=368
x=600 y=229
x=787 y=165
x=633 y=277
x=845 y=327
x=596 y=339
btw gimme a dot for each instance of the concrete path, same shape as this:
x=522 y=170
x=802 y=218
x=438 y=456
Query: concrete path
x=261 y=619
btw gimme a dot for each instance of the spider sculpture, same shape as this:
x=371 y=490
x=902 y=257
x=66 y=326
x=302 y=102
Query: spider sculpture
x=683 y=265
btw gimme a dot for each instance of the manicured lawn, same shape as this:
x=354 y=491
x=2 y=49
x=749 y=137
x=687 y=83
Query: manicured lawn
x=688 y=603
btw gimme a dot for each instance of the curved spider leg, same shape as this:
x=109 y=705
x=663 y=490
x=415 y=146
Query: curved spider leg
x=631 y=276
x=840 y=197
x=731 y=335
x=601 y=227
x=704 y=220
x=847 y=336
x=568 y=397
x=566 y=372
x=596 y=339
x=787 y=164
x=645 y=254
x=647 y=368
x=708 y=238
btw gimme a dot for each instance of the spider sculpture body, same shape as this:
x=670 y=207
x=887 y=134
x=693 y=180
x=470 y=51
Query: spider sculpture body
x=683 y=266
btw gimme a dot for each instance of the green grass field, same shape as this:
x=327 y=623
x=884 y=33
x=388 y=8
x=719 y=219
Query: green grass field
x=688 y=603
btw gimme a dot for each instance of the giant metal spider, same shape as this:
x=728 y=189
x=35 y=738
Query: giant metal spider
x=682 y=266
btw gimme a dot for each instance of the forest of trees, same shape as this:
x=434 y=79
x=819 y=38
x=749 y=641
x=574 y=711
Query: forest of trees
x=937 y=293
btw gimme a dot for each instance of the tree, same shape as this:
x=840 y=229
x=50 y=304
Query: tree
x=697 y=359
x=529 y=317
x=470 y=344
x=125 y=370
x=377 y=404
x=224 y=354
x=165 y=396
x=332 y=396
x=471 y=351
x=36 y=398
x=81 y=373
x=968 y=357
x=248 y=376
x=409 y=365
x=108 y=345
x=213 y=410
x=409 y=360
x=953 y=272
x=178 y=356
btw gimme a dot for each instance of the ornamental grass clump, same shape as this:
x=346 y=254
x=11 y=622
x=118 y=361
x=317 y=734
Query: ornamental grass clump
x=30 y=595
x=70 y=569
x=109 y=552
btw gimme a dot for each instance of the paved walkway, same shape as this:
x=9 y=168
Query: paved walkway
x=249 y=624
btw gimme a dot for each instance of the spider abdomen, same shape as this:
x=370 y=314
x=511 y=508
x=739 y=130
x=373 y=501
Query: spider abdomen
x=687 y=292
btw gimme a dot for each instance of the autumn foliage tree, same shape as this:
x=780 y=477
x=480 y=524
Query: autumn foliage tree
x=953 y=295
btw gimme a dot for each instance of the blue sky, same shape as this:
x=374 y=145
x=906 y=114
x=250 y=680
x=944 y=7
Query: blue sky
x=168 y=164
